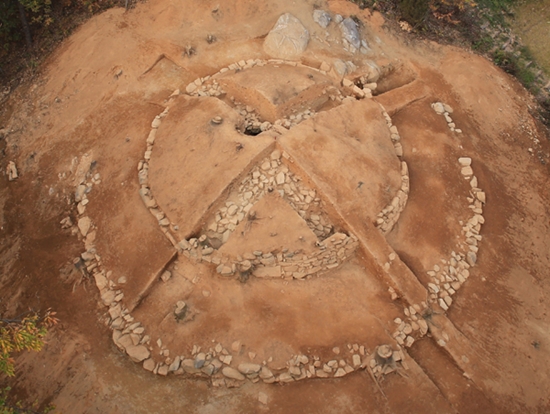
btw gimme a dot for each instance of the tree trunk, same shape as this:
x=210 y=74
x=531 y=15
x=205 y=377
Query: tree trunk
x=25 y=24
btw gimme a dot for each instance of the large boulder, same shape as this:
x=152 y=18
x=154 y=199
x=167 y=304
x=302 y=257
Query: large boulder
x=350 y=32
x=288 y=39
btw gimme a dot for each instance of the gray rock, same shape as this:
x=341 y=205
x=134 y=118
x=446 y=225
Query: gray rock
x=174 y=366
x=350 y=32
x=200 y=359
x=471 y=258
x=322 y=18
x=288 y=39
x=338 y=19
x=340 y=67
x=209 y=369
x=79 y=193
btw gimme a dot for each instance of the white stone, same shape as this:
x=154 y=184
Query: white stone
x=322 y=18
x=288 y=39
x=84 y=224
x=465 y=161
x=438 y=108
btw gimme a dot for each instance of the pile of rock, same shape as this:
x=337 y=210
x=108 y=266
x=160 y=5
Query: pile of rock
x=389 y=215
x=359 y=93
x=271 y=174
x=205 y=87
x=441 y=108
x=387 y=218
x=143 y=176
x=411 y=327
x=386 y=360
x=448 y=277
x=128 y=335
x=329 y=255
x=351 y=39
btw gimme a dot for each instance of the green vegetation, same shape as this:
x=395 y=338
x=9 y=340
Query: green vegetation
x=30 y=30
x=24 y=333
x=18 y=408
x=482 y=25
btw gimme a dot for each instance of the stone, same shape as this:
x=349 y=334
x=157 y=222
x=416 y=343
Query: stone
x=471 y=258
x=137 y=353
x=149 y=364
x=480 y=195
x=322 y=18
x=200 y=359
x=340 y=372
x=262 y=398
x=108 y=297
x=156 y=122
x=285 y=377
x=268 y=271
x=175 y=365
x=325 y=67
x=438 y=108
x=84 y=225
x=236 y=346
x=448 y=108
x=11 y=170
x=166 y=275
x=232 y=373
x=280 y=179
x=465 y=161
x=288 y=39
x=423 y=326
x=340 y=67
x=265 y=373
x=163 y=370
x=350 y=32
x=467 y=172
x=356 y=359
x=191 y=88
x=249 y=368
x=384 y=351
x=443 y=304
x=124 y=341
x=100 y=281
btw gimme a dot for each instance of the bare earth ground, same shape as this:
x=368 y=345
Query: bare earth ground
x=79 y=106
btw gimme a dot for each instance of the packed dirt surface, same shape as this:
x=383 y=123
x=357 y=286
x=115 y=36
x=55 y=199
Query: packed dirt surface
x=229 y=218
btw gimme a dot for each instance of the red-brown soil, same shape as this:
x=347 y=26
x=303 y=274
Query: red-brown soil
x=82 y=103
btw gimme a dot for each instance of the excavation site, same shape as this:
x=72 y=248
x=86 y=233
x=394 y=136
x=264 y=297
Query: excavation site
x=281 y=207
